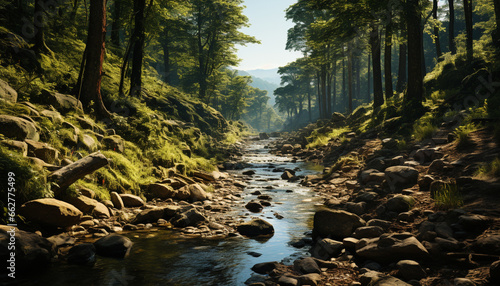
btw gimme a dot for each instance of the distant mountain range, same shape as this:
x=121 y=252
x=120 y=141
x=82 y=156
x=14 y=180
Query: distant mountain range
x=264 y=79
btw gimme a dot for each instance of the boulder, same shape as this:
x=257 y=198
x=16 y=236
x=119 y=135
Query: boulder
x=42 y=151
x=391 y=248
x=287 y=281
x=18 y=146
x=255 y=227
x=368 y=232
x=263 y=136
x=326 y=248
x=384 y=224
x=265 y=267
x=149 y=215
x=306 y=266
x=114 y=142
x=90 y=206
x=400 y=203
x=18 y=128
x=287 y=175
x=32 y=250
x=113 y=245
x=335 y=223
x=495 y=272
x=88 y=143
x=117 y=200
x=190 y=217
x=254 y=206
x=62 y=102
x=372 y=176
x=7 y=93
x=196 y=192
x=56 y=213
x=410 y=270
x=310 y=279
x=463 y=282
x=54 y=116
x=286 y=149
x=373 y=278
x=86 y=192
x=401 y=177
x=162 y=191
x=488 y=244
x=82 y=254
x=131 y=200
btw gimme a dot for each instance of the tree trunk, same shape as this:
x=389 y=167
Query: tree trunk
x=436 y=30
x=117 y=25
x=334 y=93
x=323 y=91
x=451 y=28
x=138 y=53
x=387 y=61
x=349 y=74
x=496 y=33
x=358 y=78
x=309 y=102
x=468 y=29
x=343 y=84
x=91 y=83
x=328 y=94
x=368 y=81
x=39 y=21
x=414 y=92
x=318 y=99
x=400 y=86
x=378 y=96
x=69 y=174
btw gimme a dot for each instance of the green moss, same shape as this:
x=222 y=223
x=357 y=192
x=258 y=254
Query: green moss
x=317 y=138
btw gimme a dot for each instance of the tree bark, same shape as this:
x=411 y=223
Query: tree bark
x=117 y=25
x=400 y=86
x=323 y=91
x=69 y=174
x=349 y=74
x=92 y=75
x=468 y=29
x=368 y=81
x=387 y=62
x=39 y=21
x=451 y=28
x=334 y=92
x=436 y=30
x=138 y=53
x=414 y=92
x=496 y=33
x=343 y=84
x=378 y=96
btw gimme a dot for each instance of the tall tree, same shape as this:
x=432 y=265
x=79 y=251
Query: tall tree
x=388 y=57
x=496 y=33
x=378 y=96
x=402 y=60
x=117 y=23
x=40 y=22
x=94 y=57
x=468 y=30
x=414 y=92
x=138 y=47
x=436 y=29
x=451 y=28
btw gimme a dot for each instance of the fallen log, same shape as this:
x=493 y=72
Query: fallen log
x=69 y=174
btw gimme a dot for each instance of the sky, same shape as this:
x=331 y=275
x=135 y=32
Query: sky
x=267 y=24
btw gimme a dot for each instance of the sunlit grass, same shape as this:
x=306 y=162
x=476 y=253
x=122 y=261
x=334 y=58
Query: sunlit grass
x=448 y=197
x=317 y=139
x=489 y=170
x=462 y=134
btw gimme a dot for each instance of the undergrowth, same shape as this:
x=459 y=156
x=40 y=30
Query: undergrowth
x=448 y=197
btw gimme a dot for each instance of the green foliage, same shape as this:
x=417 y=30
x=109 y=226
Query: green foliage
x=448 y=197
x=462 y=134
x=317 y=138
x=489 y=170
x=343 y=161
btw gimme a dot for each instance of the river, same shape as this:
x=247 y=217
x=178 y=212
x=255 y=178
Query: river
x=167 y=258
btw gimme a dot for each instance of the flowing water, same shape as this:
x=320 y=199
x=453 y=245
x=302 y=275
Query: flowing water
x=167 y=258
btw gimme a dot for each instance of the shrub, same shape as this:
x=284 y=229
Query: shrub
x=462 y=134
x=489 y=170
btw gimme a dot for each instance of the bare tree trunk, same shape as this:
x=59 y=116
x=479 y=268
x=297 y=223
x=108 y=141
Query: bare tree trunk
x=343 y=83
x=334 y=95
x=378 y=96
x=387 y=61
x=349 y=74
x=117 y=24
x=451 y=28
x=436 y=30
x=414 y=92
x=138 y=53
x=402 y=61
x=468 y=29
x=368 y=81
x=91 y=83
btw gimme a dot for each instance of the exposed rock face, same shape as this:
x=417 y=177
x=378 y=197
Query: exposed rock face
x=18 y=128
x=131 y=200
x=335 y=223
x=90 y=206
x=391 y=247
x=113 y=245
x=401 y=177
x=255 y=227
x=55 y=212
x=7 y=93
x=32 y=250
